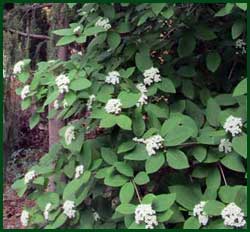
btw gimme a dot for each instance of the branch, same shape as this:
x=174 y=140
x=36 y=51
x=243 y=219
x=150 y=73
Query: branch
x=136 y=190
x=35 y=36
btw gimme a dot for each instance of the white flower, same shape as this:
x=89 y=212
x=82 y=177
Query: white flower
x=79 y=171
x=152 y=143
x=46 y=211
x=29 y=176
x=145 y=213
x=65 y=104
x=68 y=209
x=25 y=91
x=25 y=218
x=91 y=99
x=241 y=46
x=143 y=98
x=103 y=22
x=199 y=212
x=69 y=134
x=225 y=146
x=80 y=53
x=113 y=106
x=233 y=216
x=96 y=216
x=56 y=104
x=233 y=125
x=77 y=30
x=62 y=82
x=151 y=75
x=113 y=78
x=18 y=67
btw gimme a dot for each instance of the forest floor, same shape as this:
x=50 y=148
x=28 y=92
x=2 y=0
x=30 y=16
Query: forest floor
x=19 y=163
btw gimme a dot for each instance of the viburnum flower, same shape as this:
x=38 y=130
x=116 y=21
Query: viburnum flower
x=77 y=30
x=241 y=46
x=96 y=216
x=25 y=91
x=233 y=125
x=199 y=212
x=233 y=216
x=25 y=218
x=143 y=98
x=225 y=146
x=46 y=211
x=69 y=135
x=29 y=176
x=79 y=171
x=18 y=67
x=104 y=23
x=68 y=209
x=113 y=78
x=91 y=99
x=62 y=82
x=113 y=106
x=56 y=104
x=151 y=75
x=145 y=213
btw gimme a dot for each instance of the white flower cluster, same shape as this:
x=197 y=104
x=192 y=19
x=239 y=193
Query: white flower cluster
x=25 y=91
x=68 y=209
x=143 y=98
x=77 y=30
x=240 y=45
x=29 y=176
x=69 y=134
x=225 y=146
x=145 y=213
x=90 y=101
x=152 y=143
x=46 y=211
x=25 y=218
x=62 y=82
x=56 y=104
x=18 y=67
x=151 y=75
x=103 y=22
x=233 y=216
x=79 y=171
x=96 y=216
x=233 y=125
x=198 y=211
x=113 y=106
x=113 y=78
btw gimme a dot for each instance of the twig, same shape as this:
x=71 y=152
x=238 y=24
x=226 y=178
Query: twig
x=35 y=36
x=222 y=173
x=136 y=190
x=231 y=71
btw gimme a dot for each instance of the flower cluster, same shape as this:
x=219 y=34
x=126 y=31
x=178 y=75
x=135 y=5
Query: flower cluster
x=241 y=46
x=233 y=125
x=152 y=143
x=18 y=67
x=68 y=209
x=113 y=78
x=198 y=211
x=96 y=216
x=151 y=75
x=25 y=218
x=225 y=146
x=91 y=99
x=25 y=91
x=103 y=22
x=46 y=211
x=143 y=98
x=56 y=104
x=113 y=106
x=145 y=213
x=62 y=82
x=77 y=30
x=233 y=216
x=29 y=176
x=69 y=134
x=79 y=171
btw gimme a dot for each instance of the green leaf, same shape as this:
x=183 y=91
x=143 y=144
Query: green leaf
x=23 y=77
x=70 y=97
x=115 y=181
x=109 y=121
x=34 y=120
x=157 y=110
x=154 y=163
x=143 y=61
x=138 y=123
x=213 y=180
x=114 y=40
x=237 y=28
x=186 y=71
x=199 y=153
x=241 y=88
x=124 y=122
x=186 y=45
x=126 y=193
x=93 y=31
x=177 y=159
x=126 y=146
x=166 y=85
x=60 y=220
x=126 y=209
x=86 y=154
x=39 y=180
x=52 y=96
x=225 y=10
x=64 y=32
x=26 y=103
x=141 y=178
x=242 y=6
x=213 y=61
x=240 y=145
x=163 y=202
x=188 y=88
x=191 y=223
x=80 y=84
x=225 y=100
x=20 y=187
x=212 y=112
x=168 y=13
x=66 y=40
x=165 y=216
x=204 y=32
x=233 y=162
x=128 y=99
x=213 y=207
x=124 y=169
x=139 y=153
x=157 y=7
x=108 y=155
